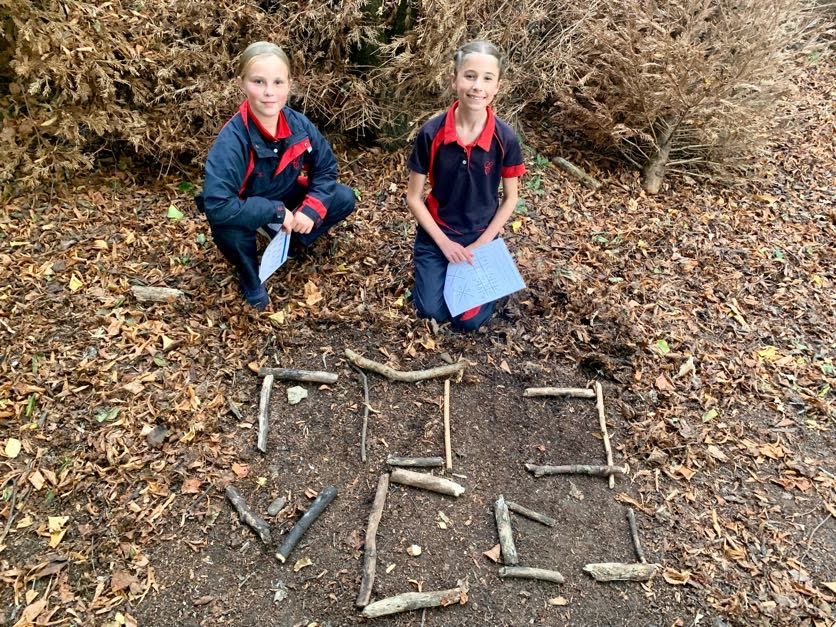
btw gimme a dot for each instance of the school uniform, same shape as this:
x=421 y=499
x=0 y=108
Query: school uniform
x=253 y=177
x=463 y=199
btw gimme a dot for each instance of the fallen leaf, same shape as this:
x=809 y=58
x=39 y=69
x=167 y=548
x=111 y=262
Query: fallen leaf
x=174 y=213
x=493 y=553
x=312 y=294
x=12 y=449
x=558 y=601
x=675 y=577
x=240 y=470
x=191 y=486
x=664 y=384
x=75 y=283
x=504 y=366
x=516 y=225
x=37 y=479
x=302 y=563
x=831 y=585
x=716 y=453
x=277 y=317
x=122 y=579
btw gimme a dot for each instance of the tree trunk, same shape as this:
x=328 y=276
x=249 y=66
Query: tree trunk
x=653 y=172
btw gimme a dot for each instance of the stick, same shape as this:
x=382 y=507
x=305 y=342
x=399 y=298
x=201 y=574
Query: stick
x=447 y=450
x=572 y=392
x=415 y=601
x=264 y=412
x=320 y=503
x=397 y=375
x=427 y=482
x=576 y=469
x=521 y=572
x=292 y=374
x=634 y=533
x=415 y=462
x=602 y=420
x=615 y=571
x=364 y=429
x=248 y=516
x=528 y=513
x=577 y=173
x=506 y=536
x=370 y=559
x=146 y=293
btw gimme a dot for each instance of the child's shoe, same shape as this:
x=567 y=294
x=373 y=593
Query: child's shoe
x=257 y=298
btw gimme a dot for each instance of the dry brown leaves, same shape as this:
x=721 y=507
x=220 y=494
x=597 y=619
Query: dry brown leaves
x=713 y=308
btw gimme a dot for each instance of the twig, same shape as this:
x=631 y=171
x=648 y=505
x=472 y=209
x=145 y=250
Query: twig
x=410 y=376
x=415 y=601
x=577 y=173
x=264 y=412
x=529 y=513
x=571 y=392
x=809 y=538
x=615 y=571
x=248 y=516
x=576 y=469
x=415 y=462
x=506 y=535
x=447 y=449
x=427 y=482
x=292 y=374
x=521 y=572
x=24 y=476
x=634 y=533
x=294 y=535
x=364 y=429
x=370 y=559
x=602 y=420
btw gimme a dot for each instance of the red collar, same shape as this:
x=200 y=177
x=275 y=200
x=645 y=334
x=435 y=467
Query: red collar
x=282 y=128
x=485 y=137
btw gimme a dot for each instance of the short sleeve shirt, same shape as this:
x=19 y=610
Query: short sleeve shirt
x=465 y=179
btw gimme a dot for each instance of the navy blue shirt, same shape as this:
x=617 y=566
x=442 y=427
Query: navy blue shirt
x=464 y=180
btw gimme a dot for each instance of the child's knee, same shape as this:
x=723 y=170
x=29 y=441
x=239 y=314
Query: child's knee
x=343 y=200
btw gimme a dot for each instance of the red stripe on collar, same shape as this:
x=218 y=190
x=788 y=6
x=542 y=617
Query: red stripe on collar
x=485 y=137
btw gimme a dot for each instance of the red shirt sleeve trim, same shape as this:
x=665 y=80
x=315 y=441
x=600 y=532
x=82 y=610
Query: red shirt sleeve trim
x=513 y=171
x=316 y=205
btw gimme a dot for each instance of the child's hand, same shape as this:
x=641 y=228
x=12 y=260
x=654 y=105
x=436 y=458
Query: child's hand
x=302 y=223
x=456 y=253
x=289 y=219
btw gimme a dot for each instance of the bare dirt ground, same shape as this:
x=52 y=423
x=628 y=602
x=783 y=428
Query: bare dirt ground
x=706 y=312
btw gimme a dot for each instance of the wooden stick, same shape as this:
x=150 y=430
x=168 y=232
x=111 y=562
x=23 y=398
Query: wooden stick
x=397 y=375
x=370 y=550
x=146 y=293
x=415 y=601
x=427 y=482
x=506 y=535
x=634 y=533
x=571 y=392
x=264 y=412
x=415 y=462
x=364 y=429
x=602 y=420
x=577 y=173
x=521 y=572
x=529 y=513
x=447 y=449
x=320 y=503
x=248 y=516
x=292 y=374
x=616 y=571
x=576 y=469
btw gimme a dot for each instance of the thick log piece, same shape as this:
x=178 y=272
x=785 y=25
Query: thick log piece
x=447 y=447
x=576 y=469
x=521 y=572
x=427 y=482
x=506 y=535
x=415 y=601
x=292 y=374
x=264 y=412
x=415 y=462
x=571 y=392
x=602 y=421
x=397 y=375
x=370 y=550
x=248 y=516
x=146 y=293
x=317 y=507
x=616 y=571
x=530 y=513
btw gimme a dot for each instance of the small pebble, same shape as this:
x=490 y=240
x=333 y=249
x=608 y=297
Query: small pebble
x=276 y=506
x=414 y=550
x=296 y=394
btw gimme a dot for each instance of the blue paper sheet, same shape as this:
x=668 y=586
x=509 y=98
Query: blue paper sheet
x=492 y=275
x=275 y=254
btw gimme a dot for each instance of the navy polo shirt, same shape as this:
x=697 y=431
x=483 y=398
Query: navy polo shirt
x=465 y=180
